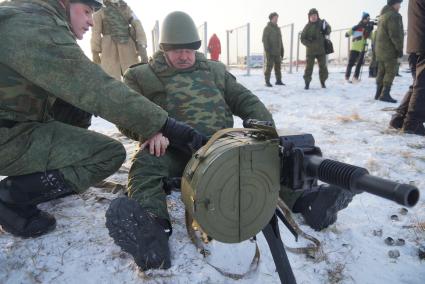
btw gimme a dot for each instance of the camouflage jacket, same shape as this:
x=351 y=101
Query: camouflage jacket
x=389 y=35
x=272 y=40
x=205 y=96
x=313 y=37
x=40 y=61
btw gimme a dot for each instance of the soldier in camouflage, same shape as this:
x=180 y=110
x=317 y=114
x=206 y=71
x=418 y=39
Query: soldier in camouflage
x=313 y=37
x=206 y=96
x=43 y=158
x=389 y=48
x=118 y=38
x=273 y=49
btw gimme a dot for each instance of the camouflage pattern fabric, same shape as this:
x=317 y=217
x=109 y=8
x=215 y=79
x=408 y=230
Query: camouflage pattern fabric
x=273 y=61
x=205 y=96
x=313 y=37
x=387 y=70
x=389 y=35
x=272 y=40
x=323 y=68
x=115 y=23
x=40 y=61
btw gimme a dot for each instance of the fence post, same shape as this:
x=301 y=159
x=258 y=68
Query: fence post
x=205 y=39
x=291 y=49
x=228 y=48
x=298 y=51
x=248 y=51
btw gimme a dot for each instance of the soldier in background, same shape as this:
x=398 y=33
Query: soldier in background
x=273 y=49
x=389 y=48
x=118 y=38
x=204 y=95
x=373 y=67
x=410 y=115
x=214 y=47
x=359 y=35
x=313 y=37
x=44 y=159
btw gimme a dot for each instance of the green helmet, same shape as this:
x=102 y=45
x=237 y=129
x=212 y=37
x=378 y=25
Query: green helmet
x=178 y=32
x=95 y=4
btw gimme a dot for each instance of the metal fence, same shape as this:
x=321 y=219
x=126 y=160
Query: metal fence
x=288 y=44
x=203 y=35
x=155 y=37
x=238 y=47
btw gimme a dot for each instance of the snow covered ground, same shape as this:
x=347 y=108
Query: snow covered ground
x=347 y=123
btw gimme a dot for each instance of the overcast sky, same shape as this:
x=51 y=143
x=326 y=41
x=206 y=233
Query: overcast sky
x=223 y=15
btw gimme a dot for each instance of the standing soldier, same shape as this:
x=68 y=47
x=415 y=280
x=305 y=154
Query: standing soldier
x=214 y=47
x=118 y=38
x=373 y=67
x=389 y=47
x=359 y=35
x=273 y=48
x=313 y=37
x=43 y=159
x=410 y=114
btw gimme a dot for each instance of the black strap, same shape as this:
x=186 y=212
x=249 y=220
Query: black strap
x=283 y=267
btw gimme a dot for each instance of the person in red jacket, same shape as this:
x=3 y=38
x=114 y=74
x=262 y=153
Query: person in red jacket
x=214 y=47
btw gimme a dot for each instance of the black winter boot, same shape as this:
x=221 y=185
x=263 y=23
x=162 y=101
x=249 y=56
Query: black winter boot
x=25 y=221
x=139 y=233
x=320 y=206
x=33 y=189
x=378 y=91
x=385 y=96
x=307 y=86
x=280 y=83
x=268 y=84
x=322 y=83
x=411 y=126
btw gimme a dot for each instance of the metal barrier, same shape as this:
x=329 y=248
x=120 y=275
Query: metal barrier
x=238 y=47
x=203 y=35
x=288 y=40
x=155 y=37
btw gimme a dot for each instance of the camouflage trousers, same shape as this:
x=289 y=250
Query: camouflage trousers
x=386 y=72
x=83 y=157
x=273 y=61
x=323 y=68
x=147 y=177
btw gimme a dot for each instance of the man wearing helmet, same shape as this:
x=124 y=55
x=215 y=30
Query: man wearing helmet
x=43 y=158
x=204 y=95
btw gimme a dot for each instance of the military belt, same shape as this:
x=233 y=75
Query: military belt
x=7 y=123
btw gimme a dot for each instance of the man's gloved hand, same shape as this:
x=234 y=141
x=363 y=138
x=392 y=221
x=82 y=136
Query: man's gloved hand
x=182 y=135
x=141 y=50
x=96 y=57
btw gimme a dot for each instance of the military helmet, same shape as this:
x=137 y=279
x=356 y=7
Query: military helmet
x=179 y=32
x=95 y=4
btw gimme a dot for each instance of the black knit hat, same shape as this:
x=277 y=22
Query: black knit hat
x=274 y=14
x=393 y=2
x=313 y=11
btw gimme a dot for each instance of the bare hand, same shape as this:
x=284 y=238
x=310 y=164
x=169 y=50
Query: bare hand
x=157 y=144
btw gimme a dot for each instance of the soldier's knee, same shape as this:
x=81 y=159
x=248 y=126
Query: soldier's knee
x=117 y=155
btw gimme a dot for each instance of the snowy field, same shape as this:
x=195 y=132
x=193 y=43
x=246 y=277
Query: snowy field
x=347 y=123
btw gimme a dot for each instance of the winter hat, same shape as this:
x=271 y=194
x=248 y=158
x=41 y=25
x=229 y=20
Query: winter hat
x=365 y=15
x=313 y=11
x=393 y=2
x=274 y=14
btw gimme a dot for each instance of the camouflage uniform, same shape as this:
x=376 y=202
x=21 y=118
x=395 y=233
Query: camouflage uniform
x=273 y=48
x=389 y=45
x=118 y=36
x=313 y=37
x=40 y=61
x=205 y=96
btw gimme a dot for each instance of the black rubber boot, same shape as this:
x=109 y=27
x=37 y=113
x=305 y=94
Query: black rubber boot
x=385 y=96
x=25 y=221
x=35 y=188
x=322 y=83
x=139 y=233
x=378 y=91
x=307 y=86
x=416 y=127
x=320 y=206
x=280 y=83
